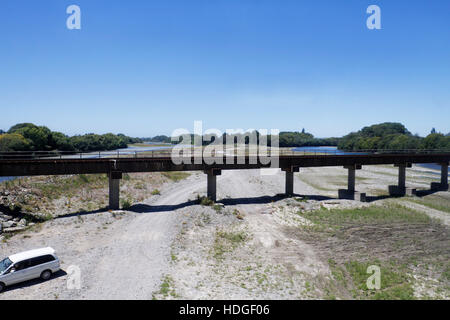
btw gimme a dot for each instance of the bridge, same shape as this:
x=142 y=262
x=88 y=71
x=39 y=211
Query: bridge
x=116 y=163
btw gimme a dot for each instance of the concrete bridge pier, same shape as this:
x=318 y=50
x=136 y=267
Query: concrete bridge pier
x=401 y=189
x=443 y=185
x=350 y=192
x=114 y=189
x=212 y=183
x=289 y=187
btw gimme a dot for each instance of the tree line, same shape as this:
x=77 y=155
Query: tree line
x=30 y=137
x=392 y=136
x=285 y=139
x=383 y=136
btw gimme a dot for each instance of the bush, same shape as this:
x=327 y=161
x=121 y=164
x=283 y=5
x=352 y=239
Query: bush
x=126 y=204
x=204 y=201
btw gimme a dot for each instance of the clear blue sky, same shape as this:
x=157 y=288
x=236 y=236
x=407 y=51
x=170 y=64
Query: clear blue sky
x=148 y=67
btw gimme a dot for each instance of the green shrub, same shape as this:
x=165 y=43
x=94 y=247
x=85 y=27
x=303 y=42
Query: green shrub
x=126 y=204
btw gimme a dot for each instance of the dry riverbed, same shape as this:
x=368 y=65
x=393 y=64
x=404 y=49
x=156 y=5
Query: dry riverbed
x=253 y=244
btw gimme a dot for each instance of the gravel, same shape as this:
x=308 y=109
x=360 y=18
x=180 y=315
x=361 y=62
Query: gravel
x=127 y=254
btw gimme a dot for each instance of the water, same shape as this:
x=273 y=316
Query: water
x=6 y=179
x=432 y=166
x=143 y=149
x=131 y=150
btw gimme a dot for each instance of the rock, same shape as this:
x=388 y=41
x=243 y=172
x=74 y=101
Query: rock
x=14 y=229
x=22 y=222
x=9 y=224
x=5 y=217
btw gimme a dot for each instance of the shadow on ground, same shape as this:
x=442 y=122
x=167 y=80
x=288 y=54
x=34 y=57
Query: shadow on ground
x=29 y=283
x=145 y=208
x=419 y=194
x=268 y=199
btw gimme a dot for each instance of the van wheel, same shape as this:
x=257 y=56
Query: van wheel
x=2 y=286
x=45 y=275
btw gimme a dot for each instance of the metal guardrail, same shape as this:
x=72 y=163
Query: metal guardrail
x=32 y=155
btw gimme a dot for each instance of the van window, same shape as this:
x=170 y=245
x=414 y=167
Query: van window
x=21 y=265
x=40 y=260
x=4 y=264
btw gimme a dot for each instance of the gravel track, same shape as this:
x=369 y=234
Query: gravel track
x=126 y=254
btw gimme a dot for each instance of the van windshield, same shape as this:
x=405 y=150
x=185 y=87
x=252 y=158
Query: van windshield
x=4 y=264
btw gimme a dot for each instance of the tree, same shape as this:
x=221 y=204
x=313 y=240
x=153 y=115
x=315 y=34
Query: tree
x=436 y=141
x=59 y=141
x=40 y=138
x=13 y=142
x=433 y=130
x=387 y=135
x=37 y=136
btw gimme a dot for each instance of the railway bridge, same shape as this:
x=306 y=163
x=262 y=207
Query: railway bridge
x=114 y=165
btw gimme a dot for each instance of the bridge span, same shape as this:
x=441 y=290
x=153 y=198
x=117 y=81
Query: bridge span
x=114 y=166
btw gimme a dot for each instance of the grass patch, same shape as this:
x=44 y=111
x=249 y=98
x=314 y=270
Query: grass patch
x=395 y=281
x=313 y=185
x=402 y=242
x=156 y=192
x=337 y=218
x=126 y=204
x=58 y=187
x=227 y=241
x=167 y=288
x=176 y=175
x=353 y=275
x=433 y=202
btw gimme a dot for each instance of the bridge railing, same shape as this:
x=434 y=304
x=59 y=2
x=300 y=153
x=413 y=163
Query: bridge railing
x=32 y=155
x=316 y=151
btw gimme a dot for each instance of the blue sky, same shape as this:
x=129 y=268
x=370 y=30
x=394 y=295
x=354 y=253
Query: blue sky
x=149 y=67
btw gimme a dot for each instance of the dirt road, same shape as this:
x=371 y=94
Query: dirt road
x=128 y=254
x=121 y=256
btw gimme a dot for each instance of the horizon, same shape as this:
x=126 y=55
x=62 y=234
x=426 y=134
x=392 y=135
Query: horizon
x=223 y=132
x=148 y=68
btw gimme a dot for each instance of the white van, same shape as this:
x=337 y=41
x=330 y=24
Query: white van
x=38 y=263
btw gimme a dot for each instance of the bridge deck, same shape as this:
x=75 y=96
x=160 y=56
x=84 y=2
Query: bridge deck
x=47 y=166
